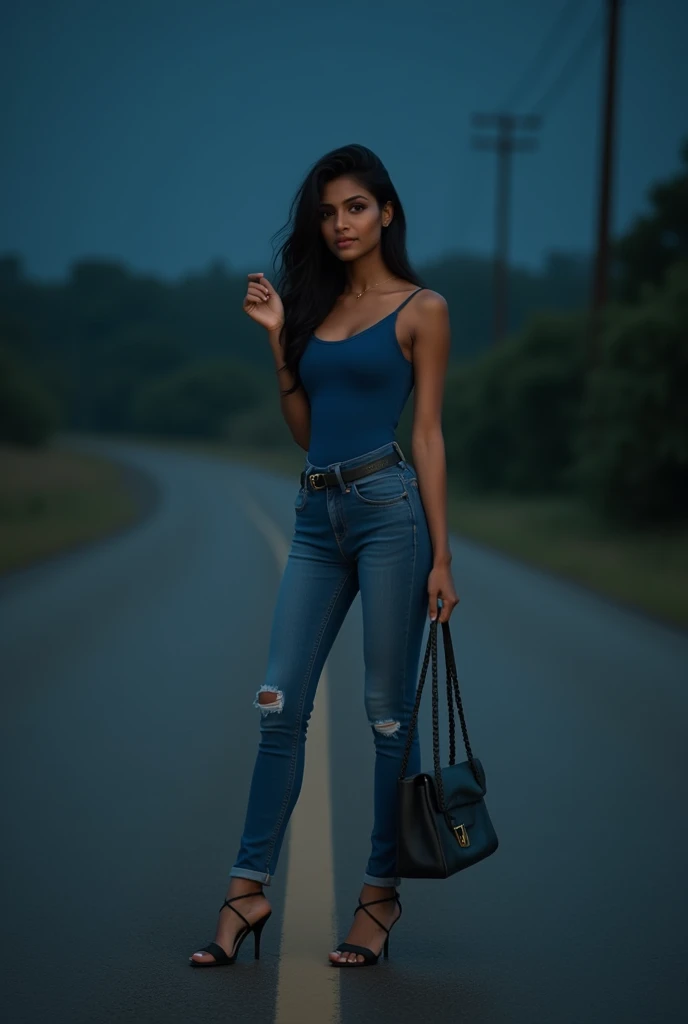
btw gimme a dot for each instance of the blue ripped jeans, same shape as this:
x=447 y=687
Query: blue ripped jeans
x=370 y=535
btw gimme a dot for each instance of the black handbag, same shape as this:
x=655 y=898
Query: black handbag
x=443 y=824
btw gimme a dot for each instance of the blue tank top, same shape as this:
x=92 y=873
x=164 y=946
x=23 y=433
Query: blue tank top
x=357 y=389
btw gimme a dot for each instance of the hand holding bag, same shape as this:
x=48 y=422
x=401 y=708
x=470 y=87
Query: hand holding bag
x=443 y=821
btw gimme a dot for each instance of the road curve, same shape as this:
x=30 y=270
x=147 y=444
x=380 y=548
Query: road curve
x=128 y=736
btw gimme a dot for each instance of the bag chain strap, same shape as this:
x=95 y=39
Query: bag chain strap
x=453 y=673
x=453 y=694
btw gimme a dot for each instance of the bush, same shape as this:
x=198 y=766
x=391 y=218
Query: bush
x=28 y=413
x=199 y=401
x=124 y=366
x=477 y=445
x=510 y=417
x=632 y=445
x=261 y=426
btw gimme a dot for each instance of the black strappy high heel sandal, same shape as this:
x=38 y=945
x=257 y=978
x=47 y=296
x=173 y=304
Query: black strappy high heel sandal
x=369 y=958
x=221 y=958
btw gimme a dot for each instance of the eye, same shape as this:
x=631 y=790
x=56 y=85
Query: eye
x=354 y=206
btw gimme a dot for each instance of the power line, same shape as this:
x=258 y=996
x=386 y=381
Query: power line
x=543 y=54
x=571 y=67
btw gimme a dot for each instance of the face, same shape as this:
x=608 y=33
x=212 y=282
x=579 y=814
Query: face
x=348 y=212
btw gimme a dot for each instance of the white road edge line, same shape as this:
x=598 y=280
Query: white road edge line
x=307 y=988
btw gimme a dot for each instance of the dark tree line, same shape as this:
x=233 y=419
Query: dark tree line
x=533 y=416
x=112 y=350
x=119 y=351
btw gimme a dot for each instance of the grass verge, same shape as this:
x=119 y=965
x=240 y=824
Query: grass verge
x=52 y=500
x=648 y=570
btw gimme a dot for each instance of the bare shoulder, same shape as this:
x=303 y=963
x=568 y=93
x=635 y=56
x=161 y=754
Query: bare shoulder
x=430 y=312
x=432 y=303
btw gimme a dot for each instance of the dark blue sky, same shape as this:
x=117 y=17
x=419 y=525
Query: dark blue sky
x=170 y=132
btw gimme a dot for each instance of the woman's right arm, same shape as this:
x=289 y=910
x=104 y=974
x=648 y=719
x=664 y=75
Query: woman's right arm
x=263 y=304
x=295 y=407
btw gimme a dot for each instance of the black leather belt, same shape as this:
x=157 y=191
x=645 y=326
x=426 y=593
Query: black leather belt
x=318 y=481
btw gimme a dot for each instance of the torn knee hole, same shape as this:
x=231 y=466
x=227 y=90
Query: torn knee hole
x=386 y=727
x=268 y=700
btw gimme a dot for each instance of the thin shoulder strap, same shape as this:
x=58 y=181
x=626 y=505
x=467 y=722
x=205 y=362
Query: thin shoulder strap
x=408 y=298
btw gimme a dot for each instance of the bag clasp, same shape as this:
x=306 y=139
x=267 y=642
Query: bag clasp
x=461 y=835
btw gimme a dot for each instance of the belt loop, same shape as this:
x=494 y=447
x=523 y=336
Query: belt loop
x=342 y=485
x=399 y=452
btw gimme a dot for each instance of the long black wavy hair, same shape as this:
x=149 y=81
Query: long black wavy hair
x=310 y=278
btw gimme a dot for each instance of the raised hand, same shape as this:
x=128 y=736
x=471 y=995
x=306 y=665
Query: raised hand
x=263 y=304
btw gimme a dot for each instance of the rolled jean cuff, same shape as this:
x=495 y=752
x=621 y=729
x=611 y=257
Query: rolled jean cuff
x=255 y=876
x=383 y=883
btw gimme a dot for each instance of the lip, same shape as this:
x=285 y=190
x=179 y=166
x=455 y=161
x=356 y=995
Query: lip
x=344 y=243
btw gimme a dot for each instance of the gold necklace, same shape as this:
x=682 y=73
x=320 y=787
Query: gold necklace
x=358 y=294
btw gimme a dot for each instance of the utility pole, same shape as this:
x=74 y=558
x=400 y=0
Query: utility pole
x=600 y=284
x=505 y=143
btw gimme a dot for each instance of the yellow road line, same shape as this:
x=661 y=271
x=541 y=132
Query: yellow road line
x=307 y=988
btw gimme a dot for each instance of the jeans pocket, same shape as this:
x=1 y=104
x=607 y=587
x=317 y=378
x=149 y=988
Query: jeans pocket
x=300 y=500
x=386 y=487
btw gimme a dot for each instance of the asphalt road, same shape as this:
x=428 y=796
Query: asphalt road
x=128 y=738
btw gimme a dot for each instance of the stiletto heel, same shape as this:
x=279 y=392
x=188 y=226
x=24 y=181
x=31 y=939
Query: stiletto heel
x=221 y=958
x=257 y=932
x=369 y=958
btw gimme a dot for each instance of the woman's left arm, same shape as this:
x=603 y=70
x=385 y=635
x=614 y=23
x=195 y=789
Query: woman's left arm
x=431 y=343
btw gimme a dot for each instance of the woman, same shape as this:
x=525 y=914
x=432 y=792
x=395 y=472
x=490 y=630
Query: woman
x=352 y=331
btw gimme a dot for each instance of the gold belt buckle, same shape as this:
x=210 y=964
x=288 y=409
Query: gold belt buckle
x=461 y=835
x=317 y=487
